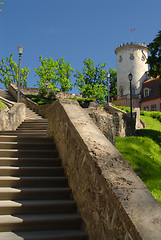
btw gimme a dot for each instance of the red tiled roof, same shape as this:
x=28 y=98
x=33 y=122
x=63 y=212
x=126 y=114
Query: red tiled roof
x=153 y=85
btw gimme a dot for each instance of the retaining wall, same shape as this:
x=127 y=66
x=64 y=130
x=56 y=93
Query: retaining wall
x=112 y=200
x=11 y=119
x=40 y=109
x=124 y=125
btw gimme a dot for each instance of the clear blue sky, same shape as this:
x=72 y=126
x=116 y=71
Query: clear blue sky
x=74 y=29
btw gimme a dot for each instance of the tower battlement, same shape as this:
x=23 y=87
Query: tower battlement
x=128 y=45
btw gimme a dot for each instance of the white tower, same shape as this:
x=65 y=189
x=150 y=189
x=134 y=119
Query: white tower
x=131 y=58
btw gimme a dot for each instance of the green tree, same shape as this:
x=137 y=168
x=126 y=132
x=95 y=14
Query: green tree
x=92 y=81
x=64 y=73
x=0 y=6
x=56 y=72
x=9 y=72
x=113 y=82
x=47 y=72
x=154 y=60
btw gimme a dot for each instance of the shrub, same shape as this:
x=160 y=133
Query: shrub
x=43 y=92
x=156 y=115
x=142 y=113
x=2 y=106
x=51 y=96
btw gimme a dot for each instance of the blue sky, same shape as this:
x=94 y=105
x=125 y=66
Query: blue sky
x=74 y=29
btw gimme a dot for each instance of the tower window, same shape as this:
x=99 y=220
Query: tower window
x=121 y=91
x=131 y=57
x=143 y=58
x=120 y=59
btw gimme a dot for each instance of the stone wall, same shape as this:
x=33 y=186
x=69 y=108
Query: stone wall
x=40 y=109
x=11 y=119
x=112 y=200
x=103 y=120
x=124 y=125
x=35 y=91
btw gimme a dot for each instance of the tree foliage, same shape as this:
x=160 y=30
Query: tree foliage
x=92 y=81
x=0 y=6
x=56 y=72
x=9 y=72
x=113 y=82
x=64 y=73
x=154 y=60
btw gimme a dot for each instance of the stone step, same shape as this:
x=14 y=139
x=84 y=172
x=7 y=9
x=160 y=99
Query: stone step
x=28 y=153
x=34 y=124
x=24 y=161
x=22 y=128
x=31 y=133
x=21 y=139
x=27 y=145
x=10 y=207
x=39 y=181
x=39 y=222
x=31 y=171
x=45 y=235
x=42 y=120
x=35 y=200
x=38 y=193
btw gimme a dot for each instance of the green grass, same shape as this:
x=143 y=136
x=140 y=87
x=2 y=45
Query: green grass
x=125 y=109
x=143 y=153
x=40 y=100
x=2 y=106
x=83 y=100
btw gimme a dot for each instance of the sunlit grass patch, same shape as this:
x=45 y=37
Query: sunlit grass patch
x=143 y=153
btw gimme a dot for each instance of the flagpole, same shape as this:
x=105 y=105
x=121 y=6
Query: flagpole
x=132 y=32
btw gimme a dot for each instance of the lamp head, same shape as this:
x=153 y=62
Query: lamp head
x=20 y=49
x=108 y=74
x=130 y=76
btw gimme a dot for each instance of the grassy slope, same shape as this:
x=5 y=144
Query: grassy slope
x=2 y=106
x=143 y=153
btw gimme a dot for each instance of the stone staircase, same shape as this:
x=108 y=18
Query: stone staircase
x=35 y=199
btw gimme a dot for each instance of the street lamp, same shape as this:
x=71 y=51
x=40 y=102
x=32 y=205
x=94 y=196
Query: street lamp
x=20 y=51
x=108 y=78
x=130 y=76
x=47 y=83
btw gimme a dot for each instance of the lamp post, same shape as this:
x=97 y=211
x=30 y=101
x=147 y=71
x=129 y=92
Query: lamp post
x=46 y=83
x=108 y=78
x=20 y=51
x=130 y=76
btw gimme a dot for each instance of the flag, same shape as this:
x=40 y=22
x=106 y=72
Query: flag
x=132 y=29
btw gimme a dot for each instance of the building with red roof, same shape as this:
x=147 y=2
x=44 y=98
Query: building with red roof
x=150 y=99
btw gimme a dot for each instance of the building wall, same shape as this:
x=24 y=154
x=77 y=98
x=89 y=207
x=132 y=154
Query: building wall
x=126 y=102
x=137 y=66
x=149 y=103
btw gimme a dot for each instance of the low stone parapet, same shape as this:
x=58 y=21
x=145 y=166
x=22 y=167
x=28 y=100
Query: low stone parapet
x=112 y=200
x=11 y=119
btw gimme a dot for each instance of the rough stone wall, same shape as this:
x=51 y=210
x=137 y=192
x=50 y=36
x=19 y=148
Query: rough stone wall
x=35 y=91
x=103 y=120
x=40 y=109
x=113 y=202
x=124 y=125
x=11 y=119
